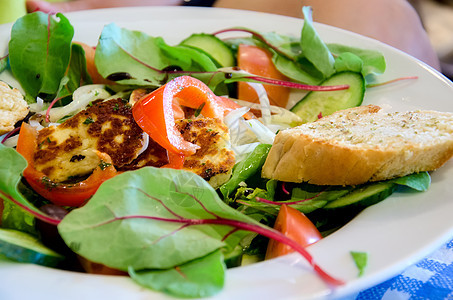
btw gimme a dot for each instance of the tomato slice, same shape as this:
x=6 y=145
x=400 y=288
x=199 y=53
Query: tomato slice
x=258 y=61
x=296 y=226
x=59 y=193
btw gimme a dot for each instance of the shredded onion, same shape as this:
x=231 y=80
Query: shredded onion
x=81 y=98
x=145 y=143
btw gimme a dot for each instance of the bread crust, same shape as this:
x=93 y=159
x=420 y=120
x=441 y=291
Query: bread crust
x=306 y=153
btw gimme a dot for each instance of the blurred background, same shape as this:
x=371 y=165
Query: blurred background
x=437 y=17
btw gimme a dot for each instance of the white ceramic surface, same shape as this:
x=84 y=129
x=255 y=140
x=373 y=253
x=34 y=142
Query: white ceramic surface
x=396 y=232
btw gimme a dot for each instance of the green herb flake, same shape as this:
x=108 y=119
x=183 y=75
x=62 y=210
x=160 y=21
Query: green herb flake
x=199 y=109
x=88 y=120
x=116 y=107
x=361 y=260
x=104 y=165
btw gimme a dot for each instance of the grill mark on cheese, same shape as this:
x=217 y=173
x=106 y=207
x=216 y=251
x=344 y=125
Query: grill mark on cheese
x=105 y=126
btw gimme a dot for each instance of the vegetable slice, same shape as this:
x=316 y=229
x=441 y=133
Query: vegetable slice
x=212 y=46
x=258 y=61
x=324 y=103
x=59 y=193
x=23 y=247
x=296 y=226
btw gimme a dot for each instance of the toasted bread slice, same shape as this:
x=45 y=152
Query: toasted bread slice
x=361 y=144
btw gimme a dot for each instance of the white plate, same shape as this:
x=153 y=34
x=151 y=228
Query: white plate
x=396 y=232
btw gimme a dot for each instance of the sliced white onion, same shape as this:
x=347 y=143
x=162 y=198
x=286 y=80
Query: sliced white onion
x=11 y=141
x=80 y=99
x=241 y=151
x=263 y=134
x=145 y=143
x=38 y=106
x=265 y=105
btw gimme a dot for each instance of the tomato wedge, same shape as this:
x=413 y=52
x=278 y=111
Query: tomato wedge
x=295 y=225
x=155 y=114
x=58 y=193
x=258 y=61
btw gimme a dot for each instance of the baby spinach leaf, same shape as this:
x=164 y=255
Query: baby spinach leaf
x=39 y=52
x=202 y=277
x=373 y=61
x=417 y=181
x=11 y=166
x=313 y=48
x=77 y=74
x=348 y=61
x=152 y=219
x=360 y=260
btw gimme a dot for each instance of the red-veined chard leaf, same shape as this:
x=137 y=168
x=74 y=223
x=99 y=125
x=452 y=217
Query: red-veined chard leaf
x=139 y=220
x=202 y=277
x=3 y=63
x=39 y=52
x=133 y=57
x=12 y=191
x=77 y=74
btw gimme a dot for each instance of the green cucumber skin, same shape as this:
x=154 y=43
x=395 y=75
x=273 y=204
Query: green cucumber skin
x=363 y=197
x=342 y=210
x=213 y=47
x=328 y=102
x=21 y=247
x=234 y=258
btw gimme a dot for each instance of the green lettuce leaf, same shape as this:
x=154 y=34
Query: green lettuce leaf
x=39 y=52
x=137 y=220
x=202 y=277
x=135 y=58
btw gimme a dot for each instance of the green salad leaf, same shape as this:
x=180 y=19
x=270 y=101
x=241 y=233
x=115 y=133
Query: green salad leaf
x=417 y=181
x=245 y=169
x=77 y=74
x=135 y=58
x=141 y=218
x=360 y=260
x=313 y=47
x=201 y=277
x=11 y=166
x=39 y=52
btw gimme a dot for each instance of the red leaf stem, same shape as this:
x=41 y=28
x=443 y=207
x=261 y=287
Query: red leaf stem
x=267 y=232
x=43 y=217
x=391 y=81
x=256 y=35
x=9 y=134
x=300 y=86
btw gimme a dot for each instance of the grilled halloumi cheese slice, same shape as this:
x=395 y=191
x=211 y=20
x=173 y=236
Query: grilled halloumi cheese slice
x=213 y=161
x=66 y=151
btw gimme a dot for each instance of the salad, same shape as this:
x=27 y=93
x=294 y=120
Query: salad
x=180 y=207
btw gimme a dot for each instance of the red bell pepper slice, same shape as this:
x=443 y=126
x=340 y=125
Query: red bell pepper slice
x=58 y=193
x=155 y=114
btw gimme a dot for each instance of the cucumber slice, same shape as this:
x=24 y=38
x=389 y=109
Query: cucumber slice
x=362 y=197
x=326 y=103
x=234 y=258
x=213 y=47
x=340 y=211
x=22 y=247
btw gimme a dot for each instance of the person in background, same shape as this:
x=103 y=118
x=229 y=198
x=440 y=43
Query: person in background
x=394 y=22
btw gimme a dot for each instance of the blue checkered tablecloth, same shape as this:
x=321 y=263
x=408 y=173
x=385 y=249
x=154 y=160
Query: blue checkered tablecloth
x=431 y=278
